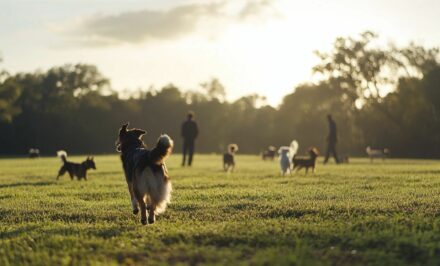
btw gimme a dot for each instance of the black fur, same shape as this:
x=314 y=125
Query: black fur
x=306 y=162
x=78 y=170
x=228 y=158
x=134 y=152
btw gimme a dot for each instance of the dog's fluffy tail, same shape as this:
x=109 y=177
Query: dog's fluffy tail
x=163 y=149
x=232 y=148
x=63 y=155
x=293 y=149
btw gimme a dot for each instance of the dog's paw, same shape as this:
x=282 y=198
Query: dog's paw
x=144 y=222
x=151 y=220
x=135 y=211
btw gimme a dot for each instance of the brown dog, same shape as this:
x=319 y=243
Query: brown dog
x=147 y=177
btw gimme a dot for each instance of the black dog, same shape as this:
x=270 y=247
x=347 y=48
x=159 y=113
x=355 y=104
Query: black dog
x=306 y=162
x=75 y=169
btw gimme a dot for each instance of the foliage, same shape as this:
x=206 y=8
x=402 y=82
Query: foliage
x=380 y=96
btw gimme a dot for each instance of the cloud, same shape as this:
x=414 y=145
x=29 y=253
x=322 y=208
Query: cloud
x=146 y=25
x=261 y=9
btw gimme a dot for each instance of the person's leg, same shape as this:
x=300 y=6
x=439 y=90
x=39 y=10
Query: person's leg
x=327 y=154
x=191 y=152
x=335 y=155
x=184 y=151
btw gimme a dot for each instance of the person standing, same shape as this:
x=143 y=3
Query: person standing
x=189 y=133
x=332 y=139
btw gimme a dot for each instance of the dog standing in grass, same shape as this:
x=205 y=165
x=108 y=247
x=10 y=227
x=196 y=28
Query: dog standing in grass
x=377 y=153
x=147 y=177
x=286 y=155
x=228 y=158
x=75 y=169
x=306 y=162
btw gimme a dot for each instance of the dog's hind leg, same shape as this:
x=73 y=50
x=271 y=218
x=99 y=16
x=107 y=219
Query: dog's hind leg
x=61 y=172
x=71 y=175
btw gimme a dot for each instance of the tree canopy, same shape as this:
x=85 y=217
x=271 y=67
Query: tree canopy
x=380 y=96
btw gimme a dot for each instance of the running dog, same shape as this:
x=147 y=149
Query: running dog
x=75 y=169
x=147 y=177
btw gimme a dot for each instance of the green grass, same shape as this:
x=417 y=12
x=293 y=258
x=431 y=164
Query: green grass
x=360 y=213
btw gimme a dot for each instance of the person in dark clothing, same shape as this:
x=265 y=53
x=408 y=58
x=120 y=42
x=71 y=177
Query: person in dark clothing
x=332 y=139
x=189 y=134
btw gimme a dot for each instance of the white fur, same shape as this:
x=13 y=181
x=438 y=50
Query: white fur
x=293 y=149
x=165 y=140
x=231 y=147
x=155 y=189
x=376 y=153
x=61 y=153
x=285 y=162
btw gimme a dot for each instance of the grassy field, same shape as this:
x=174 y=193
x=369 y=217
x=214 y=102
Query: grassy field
x=360 y=213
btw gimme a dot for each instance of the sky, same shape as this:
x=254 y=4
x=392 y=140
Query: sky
x=262 y=46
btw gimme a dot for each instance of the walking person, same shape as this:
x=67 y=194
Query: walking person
x=332 y=139
x=189 y=133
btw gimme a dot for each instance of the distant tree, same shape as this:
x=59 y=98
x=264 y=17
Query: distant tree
x=214 y=89
x=9 y=93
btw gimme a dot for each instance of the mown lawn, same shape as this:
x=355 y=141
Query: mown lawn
x=361 y=213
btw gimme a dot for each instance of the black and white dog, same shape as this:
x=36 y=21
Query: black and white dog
x=228 y=158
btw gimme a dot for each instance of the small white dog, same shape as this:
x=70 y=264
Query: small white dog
x=376 y=153
x=286 y=156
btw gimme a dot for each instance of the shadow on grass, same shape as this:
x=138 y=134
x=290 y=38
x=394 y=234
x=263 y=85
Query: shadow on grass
x=18 y=232
x=22 y=184
x=287 y=213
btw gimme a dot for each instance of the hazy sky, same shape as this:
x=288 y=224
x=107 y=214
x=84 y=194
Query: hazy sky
x=262 y=46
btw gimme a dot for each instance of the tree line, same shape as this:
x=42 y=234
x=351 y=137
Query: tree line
x=379 y=95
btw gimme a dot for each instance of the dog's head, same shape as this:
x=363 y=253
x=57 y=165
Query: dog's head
x=283 y=151
x=90 y=163
x=127 y=136
x=314 y=152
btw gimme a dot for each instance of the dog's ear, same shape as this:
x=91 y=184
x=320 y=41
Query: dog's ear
x=139 y=132
x=123 y=129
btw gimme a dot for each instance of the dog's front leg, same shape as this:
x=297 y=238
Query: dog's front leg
x=134 y=202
